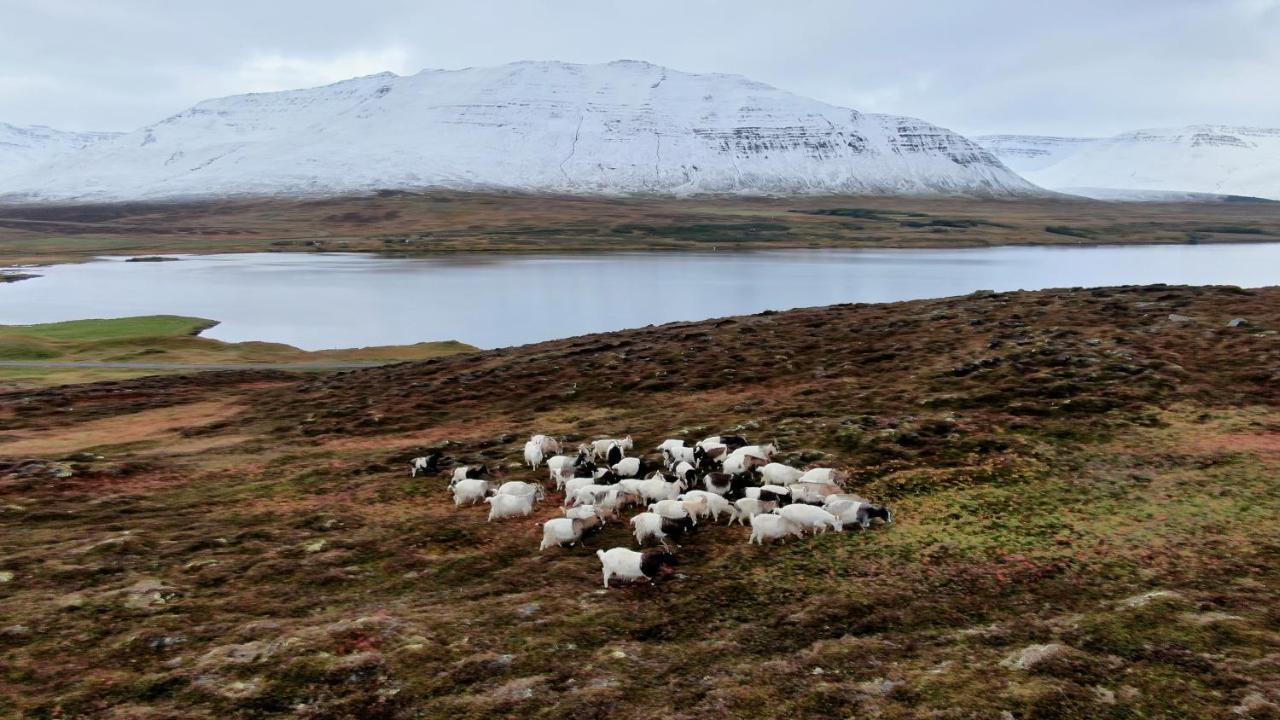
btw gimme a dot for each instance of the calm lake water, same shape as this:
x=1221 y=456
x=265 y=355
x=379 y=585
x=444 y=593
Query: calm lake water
x=317 y=301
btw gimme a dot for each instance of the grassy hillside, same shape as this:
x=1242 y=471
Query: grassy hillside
x=164 y=339
x=1087 y=526
x=402 y=223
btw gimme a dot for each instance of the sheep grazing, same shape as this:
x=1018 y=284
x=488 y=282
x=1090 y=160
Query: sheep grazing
x=648 y=525
x=653 y=526
x=547 y=444
x=823 y=476
x=581 y=511
x=687 y=472
x=673 y=509
x=614 y=454
x=842 y=497
x=715 y=504
x=811 y=493
x=738 y=463
x=668 y=444
x=657 y=488
x=517 y=487
x=770 y=493
x=672 y=456
x=747 y=508
x=764 y=452
x=605 y=497
x=573 y=485
x=718 y=483
x=779 y=474
x=559 y=531
x=600 y=448
x=533 y=453
x=469 y=492
x=629 y=467
x=468 y=472
x=425 y=464
x=586 y=494
x=767 y=527
x=563 y=467
x=710 y=452
x=860 y=513
x=626 y=564
x=810 y=517
x=505 y=506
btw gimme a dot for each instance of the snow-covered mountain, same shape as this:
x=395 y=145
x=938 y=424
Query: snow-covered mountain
x=1029 y=153
x=621 y=127
x=1146 y=164
x=22 y=148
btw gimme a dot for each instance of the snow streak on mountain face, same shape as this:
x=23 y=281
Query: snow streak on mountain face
x=1150 y=164
x=622 y=127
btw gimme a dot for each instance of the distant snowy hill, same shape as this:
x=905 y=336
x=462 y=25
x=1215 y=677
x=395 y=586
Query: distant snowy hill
x=1150 y=164
x=621 y=127
x=22 y=148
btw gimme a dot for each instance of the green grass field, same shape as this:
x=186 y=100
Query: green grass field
x=165 y=339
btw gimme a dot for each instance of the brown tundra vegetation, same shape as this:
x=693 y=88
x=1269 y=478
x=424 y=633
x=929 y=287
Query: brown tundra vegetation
x=1086 y=488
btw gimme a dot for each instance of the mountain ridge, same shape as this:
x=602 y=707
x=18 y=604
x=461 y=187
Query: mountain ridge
x=626 y=127
x=1218 y=159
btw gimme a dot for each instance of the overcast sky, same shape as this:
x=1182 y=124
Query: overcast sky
x=1084 y=67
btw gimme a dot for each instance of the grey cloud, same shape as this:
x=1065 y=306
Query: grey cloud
x=1088 y=67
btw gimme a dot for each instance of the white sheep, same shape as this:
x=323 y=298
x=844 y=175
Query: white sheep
x=601 y=447
x=628 y=467
x=469 y=492
x=754 y=492
x=764 y=452
x=505 y=506
x=715 y=504
x=811 y=492
x=561 y=468
x=842 y=497
x=741 y=463
x=657 y=488
x=648 y=525
x=573 y=485
x=626 y=564
x=772 y=527
x=672 y=509
x=680 y=455
x=823 y=476
x=581 y=511
x=859 y=512
x=780 y=474
x=810 y=517
x=468 y=472
x=592 y=494
x=518 y=487
x=747 y=508
x=533 y=453
x=685 y=471
x=558 y=531
x=615 y=498
x=669 y=443
x=421 y=464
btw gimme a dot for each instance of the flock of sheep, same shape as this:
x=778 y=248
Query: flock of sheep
x=718 y=476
